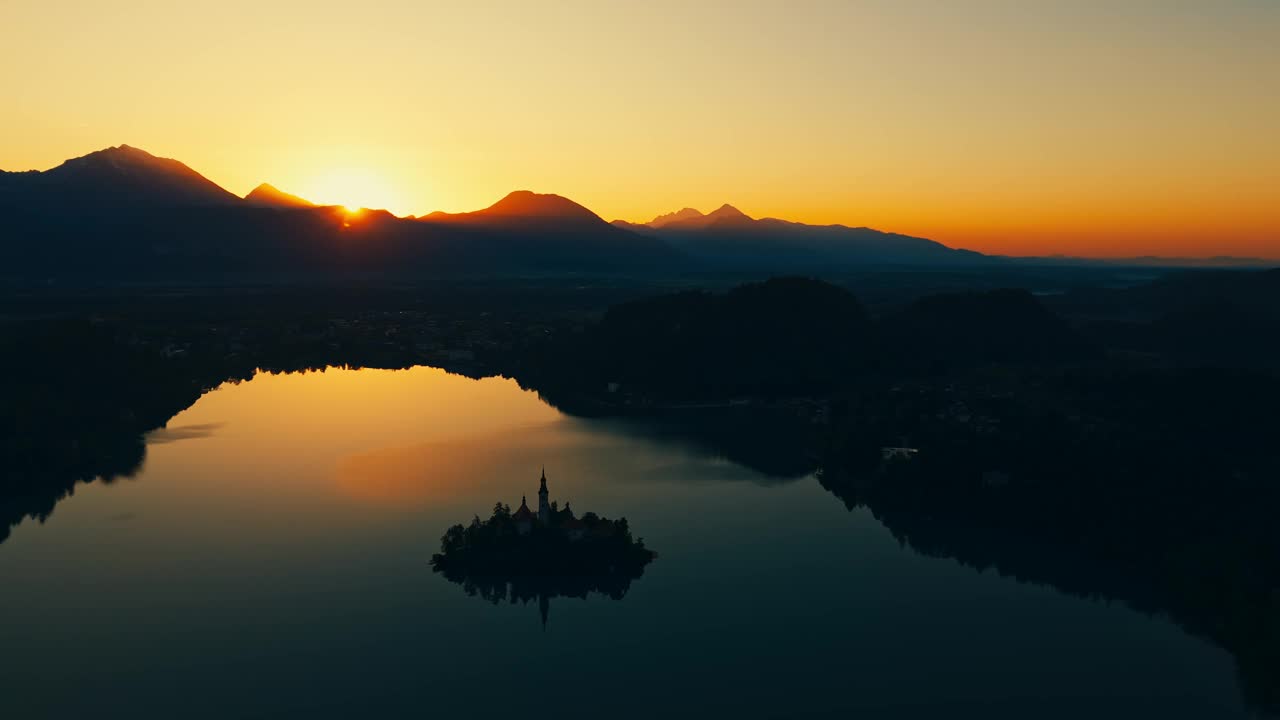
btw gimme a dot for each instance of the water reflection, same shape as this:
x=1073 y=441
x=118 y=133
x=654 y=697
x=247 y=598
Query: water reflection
x=776 y=447
x=182 y=432
x=416 y=475
x=280 y=495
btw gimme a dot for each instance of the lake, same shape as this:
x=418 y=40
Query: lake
x=270 y=559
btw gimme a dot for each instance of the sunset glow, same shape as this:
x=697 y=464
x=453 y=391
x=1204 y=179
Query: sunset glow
x=353 y=189
x=1145 y=127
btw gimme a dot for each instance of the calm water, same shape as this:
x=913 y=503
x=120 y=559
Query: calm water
x=270 y=559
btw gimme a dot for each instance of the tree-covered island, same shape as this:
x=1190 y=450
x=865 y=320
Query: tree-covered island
x=526 y=555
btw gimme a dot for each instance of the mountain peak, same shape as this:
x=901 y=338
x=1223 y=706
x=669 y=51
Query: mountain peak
x=727 y=211
x=124 y=176
x=118 y=155
x=677 y=216
x=267 y=195
x=525 y=203
x=725 y=217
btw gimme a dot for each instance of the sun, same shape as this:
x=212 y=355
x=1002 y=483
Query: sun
x=352 y=188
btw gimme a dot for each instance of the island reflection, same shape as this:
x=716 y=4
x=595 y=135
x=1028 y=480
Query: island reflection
x=521 y=556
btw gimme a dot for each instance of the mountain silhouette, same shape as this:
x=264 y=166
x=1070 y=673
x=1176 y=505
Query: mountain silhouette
x=544 y=230
x=522 y=207
x=121 y=177
x=266 y=195
x=725 y=217
x=123 y=213
x=677 y=216
x=730 y=239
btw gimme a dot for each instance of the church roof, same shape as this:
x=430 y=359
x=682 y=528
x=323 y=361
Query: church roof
x=524 y=513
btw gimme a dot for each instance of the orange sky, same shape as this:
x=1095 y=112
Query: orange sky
x=1022 y=127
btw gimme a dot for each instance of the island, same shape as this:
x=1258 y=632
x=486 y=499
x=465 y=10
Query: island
x=525 y=555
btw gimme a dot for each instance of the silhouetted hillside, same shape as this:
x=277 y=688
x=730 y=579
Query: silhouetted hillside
x=523 y=206
x=117 y=178
x=1001 y=326
x=796 y=337
x=266 y=195
x=728 y=238
x=122 y=214
x=543 y=231
x=788 y=335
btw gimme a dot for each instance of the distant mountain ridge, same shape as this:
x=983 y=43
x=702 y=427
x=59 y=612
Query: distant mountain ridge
x=121 y=184
x=266 y=195
x=730 y=238
x=677 y=216
x=722 y=218
x=123 y=212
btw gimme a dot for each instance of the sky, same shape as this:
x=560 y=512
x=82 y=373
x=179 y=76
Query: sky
x=1027 y=127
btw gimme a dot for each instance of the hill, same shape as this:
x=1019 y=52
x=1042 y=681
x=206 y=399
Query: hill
x=544 y=230
x=785 y=335
x=116 y=178
x=523 y=208
x=266 y=195
x=981 y=328
x=797 y=337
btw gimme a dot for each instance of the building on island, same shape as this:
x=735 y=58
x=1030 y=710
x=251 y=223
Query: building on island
x=544 y=507
x=523 y=518
x=547 y=516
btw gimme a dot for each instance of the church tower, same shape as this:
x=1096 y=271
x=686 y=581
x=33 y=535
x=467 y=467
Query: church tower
x=544 y=506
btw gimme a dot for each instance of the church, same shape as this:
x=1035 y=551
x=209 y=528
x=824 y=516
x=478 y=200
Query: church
x=547 y=516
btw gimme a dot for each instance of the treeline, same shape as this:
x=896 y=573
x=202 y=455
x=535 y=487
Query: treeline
x=1139 y=465
x=798 y=336
x=1157 y=488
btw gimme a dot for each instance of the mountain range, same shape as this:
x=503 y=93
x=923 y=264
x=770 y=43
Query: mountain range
x=728 y=238
x=123 y=213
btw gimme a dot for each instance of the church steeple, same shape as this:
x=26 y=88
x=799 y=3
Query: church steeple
x=544 y=504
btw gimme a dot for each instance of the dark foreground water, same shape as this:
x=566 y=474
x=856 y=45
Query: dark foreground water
x=270 y=560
